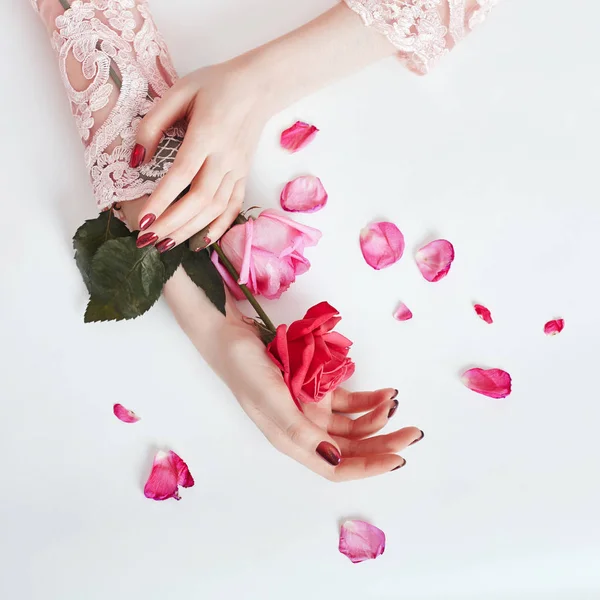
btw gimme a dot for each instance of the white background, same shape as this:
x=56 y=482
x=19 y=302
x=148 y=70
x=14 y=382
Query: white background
x=497 y=151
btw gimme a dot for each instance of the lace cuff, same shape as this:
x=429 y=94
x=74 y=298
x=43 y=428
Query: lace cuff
x=422 y=30
x=113 y=63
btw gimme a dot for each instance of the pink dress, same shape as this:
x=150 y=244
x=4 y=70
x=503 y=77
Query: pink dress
x=100 y=41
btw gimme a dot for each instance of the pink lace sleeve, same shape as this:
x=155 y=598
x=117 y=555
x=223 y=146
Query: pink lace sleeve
x=422 y=30
x=113 y=64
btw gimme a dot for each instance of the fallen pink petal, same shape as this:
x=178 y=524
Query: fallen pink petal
x=403 y=313
x=361 y=541
x=298 y=136
x=554 y=327
x=484 y=313
x=493 y=383
x=435 y=259
x=125 y=415
x=169 y=473
x=304 y=194
x=381 y=244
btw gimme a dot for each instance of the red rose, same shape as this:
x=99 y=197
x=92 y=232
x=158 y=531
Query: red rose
x=313 y=358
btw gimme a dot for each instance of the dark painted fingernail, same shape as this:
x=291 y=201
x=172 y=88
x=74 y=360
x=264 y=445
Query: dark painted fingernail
x=206 y=242
x=329 y=453
x=165 y=245
x=147 y=220
x=137 y=156
x=418 y=439
x=394 y=395
x=146 y=239
x=399 y=466
x=200 y=240
x=393 y=409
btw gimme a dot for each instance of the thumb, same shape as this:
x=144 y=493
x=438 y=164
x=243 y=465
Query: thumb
x=313 y=446
x=165 y=112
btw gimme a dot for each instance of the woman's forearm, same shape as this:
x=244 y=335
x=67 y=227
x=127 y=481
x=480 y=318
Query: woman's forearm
x=113 y=63
x=330 y=47
x=353 y=35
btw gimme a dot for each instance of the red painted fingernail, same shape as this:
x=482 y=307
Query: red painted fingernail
x=146 y=239
x=393 y=409
x=399 y=466
x=418 y=439
x=329 y=453
x=147 y=220
x=206 y=242
x=165 y=245
x=137 y=156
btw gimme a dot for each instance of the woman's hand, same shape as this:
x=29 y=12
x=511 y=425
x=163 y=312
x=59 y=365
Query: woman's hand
x=324 y=438
x=226 y=110
x=227 y=106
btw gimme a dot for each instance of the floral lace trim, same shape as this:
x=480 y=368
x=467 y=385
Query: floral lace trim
x=456 y=27
x=413 y=26
x=481 y=14
x=416 y=27
x=108 y=37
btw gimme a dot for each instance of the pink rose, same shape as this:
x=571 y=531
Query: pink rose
x=268 y=253
x=313 y=358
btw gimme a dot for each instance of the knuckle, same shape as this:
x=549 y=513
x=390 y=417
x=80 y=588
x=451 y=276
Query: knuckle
x=149 y=128
x=277 y=440
x=294 y=432
x=349 y=428
x=221 y=204
x=184 y=168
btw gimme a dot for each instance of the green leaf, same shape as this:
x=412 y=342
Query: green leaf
x=90 y=236
x=205 y=275
x=126 y=281
x=97 y=311
x=172 y=259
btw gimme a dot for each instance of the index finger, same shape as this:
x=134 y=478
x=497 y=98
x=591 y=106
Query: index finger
x=357 y=402
x=188 y=162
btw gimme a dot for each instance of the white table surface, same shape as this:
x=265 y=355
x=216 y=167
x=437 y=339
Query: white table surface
x=497 y=151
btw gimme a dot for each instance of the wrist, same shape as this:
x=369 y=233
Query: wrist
x=311 y=57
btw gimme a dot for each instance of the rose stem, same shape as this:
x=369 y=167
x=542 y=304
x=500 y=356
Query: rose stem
x=257 y=307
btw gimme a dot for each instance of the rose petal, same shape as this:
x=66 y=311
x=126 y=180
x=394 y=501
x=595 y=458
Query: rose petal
x=304 y=194
x=127 y=416
x=403 y=313
x=484 y=313
x=298 y=136
x=494 y=383
x=168 y=472
x=554 y=327
x=435 y=259
x=268 y=252
x=313 y=358
x=305 y=236
x=361 y=541
x=184 y=477
x=382 y=244
x=233 y=286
